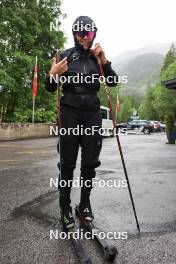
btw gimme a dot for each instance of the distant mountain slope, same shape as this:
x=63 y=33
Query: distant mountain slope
x=123 y=58
x=142 y=66
x=141 y=71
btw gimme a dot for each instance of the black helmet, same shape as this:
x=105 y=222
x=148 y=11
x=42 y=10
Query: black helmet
x=84 y=25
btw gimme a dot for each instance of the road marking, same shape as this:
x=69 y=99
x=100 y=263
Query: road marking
x=25 y=152
x=9 y=160
x=32 y=152
x=21 y=146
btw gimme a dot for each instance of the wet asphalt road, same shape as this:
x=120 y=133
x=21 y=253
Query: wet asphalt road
x=29 y=206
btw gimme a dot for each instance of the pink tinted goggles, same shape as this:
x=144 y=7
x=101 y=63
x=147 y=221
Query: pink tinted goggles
x=89 y=34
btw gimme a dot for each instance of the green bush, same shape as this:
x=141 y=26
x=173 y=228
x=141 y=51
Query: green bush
x=42 y=116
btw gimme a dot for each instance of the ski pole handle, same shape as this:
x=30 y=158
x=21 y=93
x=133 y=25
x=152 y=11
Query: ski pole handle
x=57 y=55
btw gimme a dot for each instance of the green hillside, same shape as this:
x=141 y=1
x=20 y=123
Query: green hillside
x=142 y=71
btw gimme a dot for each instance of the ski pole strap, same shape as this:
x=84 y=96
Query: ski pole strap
x=106 y=91
x=57 y=56
x=59 y=106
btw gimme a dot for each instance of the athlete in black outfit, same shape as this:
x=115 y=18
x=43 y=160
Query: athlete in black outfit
x=80 y=106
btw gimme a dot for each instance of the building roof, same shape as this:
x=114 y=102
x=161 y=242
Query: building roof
x=170 y=84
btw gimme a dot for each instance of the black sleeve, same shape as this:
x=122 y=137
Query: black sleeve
x=50 y=86
x=110 y=75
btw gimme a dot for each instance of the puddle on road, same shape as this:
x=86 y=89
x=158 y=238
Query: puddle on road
x=105 y=171
x=36 y=204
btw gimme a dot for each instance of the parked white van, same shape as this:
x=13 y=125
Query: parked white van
x=107 y=124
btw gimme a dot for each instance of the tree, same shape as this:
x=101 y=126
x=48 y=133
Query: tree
x=159 y=100
x=169 y=59
x=25 y=33
x=126 y=109
x=147 y=108
x=165 y=99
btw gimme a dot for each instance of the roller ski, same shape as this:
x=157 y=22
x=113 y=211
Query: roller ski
x=86 y=221
x=70 y=227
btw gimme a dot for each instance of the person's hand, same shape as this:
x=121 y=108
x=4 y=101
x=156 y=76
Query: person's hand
x=60 y=67
x=99 y=53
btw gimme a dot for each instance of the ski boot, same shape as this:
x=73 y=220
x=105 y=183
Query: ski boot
x=85 y=210
x=67 y=218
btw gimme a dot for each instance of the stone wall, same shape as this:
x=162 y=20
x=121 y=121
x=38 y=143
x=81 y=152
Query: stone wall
x=10 y=131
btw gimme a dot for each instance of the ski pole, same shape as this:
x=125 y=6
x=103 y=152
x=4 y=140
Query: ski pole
x=119 y=144
x=57 y=57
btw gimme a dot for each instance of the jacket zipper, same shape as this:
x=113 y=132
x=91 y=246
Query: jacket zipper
x=85 y=69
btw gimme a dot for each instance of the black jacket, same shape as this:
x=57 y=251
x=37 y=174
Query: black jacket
x=82 y=67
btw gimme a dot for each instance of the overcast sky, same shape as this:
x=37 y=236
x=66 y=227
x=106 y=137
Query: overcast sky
x=124 y=25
